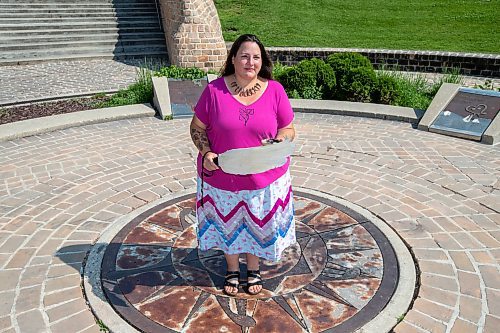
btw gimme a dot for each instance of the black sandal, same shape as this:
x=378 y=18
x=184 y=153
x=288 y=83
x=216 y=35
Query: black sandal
x=231 y=275
x=255 y=275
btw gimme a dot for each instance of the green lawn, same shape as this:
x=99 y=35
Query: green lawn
x=447 y=25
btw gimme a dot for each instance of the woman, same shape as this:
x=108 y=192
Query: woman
x=250 y=214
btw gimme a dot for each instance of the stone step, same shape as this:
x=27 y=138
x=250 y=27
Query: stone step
x=122 y=50
x=131 y=55
x=62 y=2
x=65 y=19
x=76 y=31
x=112 y=35
x=71 y=14
x=86 y=9
x=151 y=24
x=52 y=45
x=36 y=6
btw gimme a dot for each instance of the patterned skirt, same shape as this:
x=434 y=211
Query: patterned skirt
x=259 y=222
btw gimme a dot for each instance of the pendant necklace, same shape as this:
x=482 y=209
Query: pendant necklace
x=245 y=92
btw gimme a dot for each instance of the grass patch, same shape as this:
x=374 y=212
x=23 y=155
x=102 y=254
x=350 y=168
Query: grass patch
x=447 y=25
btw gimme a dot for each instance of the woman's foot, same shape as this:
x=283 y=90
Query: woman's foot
x=254 y=282
x=232 y=283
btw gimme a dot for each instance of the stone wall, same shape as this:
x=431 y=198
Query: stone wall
x=487 y=65
x=193 y=33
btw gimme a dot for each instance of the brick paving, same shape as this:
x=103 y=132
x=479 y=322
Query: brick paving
x=51 y=80
x=60 y=190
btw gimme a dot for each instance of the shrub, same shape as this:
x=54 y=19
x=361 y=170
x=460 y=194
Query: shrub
x=279 y=70
x=358 y=84
x=343 y=64
x=386 y=90
x=312 y=79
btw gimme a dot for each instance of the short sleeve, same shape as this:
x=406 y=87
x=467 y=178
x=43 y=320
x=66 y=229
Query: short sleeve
x=284 y=110
x=203 y=106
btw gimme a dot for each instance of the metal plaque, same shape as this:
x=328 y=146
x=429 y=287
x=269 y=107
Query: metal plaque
x=468 y=114
x=184 y=95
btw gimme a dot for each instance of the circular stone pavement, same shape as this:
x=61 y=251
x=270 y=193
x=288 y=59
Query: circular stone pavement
x=342 y=275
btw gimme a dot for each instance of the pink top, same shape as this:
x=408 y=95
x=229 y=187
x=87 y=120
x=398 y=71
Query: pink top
x=231 y=124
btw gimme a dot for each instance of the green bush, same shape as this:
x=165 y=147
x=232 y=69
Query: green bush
x=358 y=85
x=386 y=90
x=343 y=64
x=311 y=79
x=279 y=70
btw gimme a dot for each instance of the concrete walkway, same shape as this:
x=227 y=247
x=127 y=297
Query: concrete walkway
x=62 y=189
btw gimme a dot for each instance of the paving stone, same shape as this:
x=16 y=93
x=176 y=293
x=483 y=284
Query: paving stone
x=493 y=300
x=491 y=324
x=470 y=308
x=461 y=261
x=66 y=309
x=63 y=270
x=31 y=322
x=462 y=326
x=469 y=284
x=436 y=267
x=445 y=241
x=12 y=244
x=74 y=323
x=426 y=254
x=437 y=311
x=62 y=296
x=5 y=322
x=486 y=239
x=440 y=282
x=405 y=327
x=427 y=323
x=28 y=299
x=33 y=275
x=9 y=279
x=483 y=258
x=6 y=302
x=38 y=238
x=490 y=276
x=50 y=247
x=66 y=281
x=21 y=258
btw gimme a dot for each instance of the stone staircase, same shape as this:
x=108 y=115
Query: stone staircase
x=45 y=30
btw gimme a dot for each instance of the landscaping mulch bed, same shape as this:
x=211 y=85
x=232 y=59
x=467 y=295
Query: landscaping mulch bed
x=30 y=111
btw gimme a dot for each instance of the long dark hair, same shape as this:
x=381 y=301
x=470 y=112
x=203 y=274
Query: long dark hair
x=266 y=71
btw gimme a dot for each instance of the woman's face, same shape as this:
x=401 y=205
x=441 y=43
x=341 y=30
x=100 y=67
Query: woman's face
x=248 y=61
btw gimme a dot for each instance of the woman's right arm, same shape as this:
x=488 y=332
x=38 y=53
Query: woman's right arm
x=199 y=136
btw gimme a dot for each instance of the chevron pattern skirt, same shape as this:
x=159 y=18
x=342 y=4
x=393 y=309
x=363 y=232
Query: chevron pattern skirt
x=259 y=222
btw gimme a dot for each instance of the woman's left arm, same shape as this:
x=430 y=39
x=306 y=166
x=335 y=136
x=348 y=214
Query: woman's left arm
x=286 y=133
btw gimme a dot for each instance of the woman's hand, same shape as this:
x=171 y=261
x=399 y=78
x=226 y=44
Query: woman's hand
x=286 y=133
x=208 y=161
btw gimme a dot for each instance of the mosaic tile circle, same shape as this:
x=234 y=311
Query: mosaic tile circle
x=341 y=273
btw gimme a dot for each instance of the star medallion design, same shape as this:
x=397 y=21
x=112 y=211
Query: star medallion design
x=341 y=273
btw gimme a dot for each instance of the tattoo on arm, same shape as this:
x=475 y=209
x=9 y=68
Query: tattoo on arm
x=200 y=139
